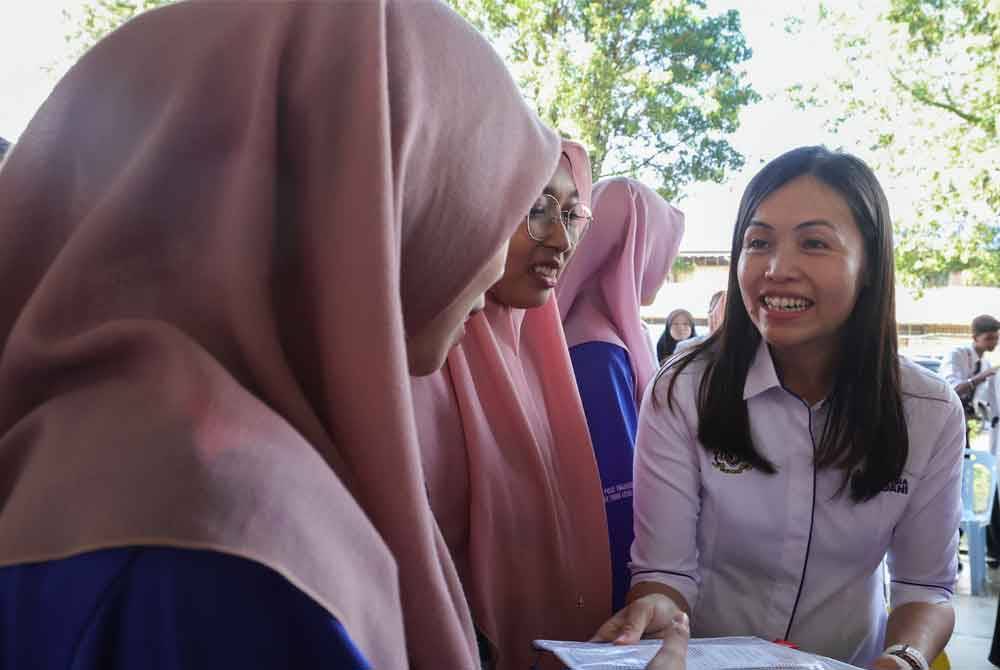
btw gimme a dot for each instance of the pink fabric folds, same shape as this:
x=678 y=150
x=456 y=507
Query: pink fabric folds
x=215 y=233
x=579 y=164
x=620 y=264
x=511 y=474
x=513 y=481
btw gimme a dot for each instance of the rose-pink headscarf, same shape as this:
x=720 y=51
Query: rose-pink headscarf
x=512 y=477
x=215 y=233
x=620 y=264
x=579 y=165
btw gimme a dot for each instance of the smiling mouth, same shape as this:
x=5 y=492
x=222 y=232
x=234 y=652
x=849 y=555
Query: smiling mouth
x=786 y=304
x=550 y=271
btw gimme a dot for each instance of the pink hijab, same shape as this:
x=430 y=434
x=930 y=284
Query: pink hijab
x=512 y=477
x=209 y=261
x=579 y=165
x=620 y=264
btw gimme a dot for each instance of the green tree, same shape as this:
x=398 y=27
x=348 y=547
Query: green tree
x=651 y=87
x=922 y=82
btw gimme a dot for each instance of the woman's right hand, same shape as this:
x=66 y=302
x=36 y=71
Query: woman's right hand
x=651 y=616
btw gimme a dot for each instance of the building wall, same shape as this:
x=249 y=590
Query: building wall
x=934 y=321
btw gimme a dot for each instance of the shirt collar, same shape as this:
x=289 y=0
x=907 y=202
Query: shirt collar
x=761 y=376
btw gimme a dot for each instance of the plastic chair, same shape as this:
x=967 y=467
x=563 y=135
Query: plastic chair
x=941 y=662
x=975 y=517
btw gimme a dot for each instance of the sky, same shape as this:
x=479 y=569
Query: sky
x=33 y=41
x=770 y=127
x=34 y=52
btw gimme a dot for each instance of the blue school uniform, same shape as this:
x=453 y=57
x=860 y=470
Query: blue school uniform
x=163 y=609
x=607 y=387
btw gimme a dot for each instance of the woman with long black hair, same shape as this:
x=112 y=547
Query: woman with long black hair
x=780 y=462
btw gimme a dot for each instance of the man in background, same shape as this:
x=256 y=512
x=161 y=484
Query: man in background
x=965 y=370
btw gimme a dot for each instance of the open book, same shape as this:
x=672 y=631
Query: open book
x=713 y=653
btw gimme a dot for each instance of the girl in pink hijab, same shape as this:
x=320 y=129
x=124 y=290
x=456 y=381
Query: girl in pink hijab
x=224 y=237
x=511 y=474
x=621 y=266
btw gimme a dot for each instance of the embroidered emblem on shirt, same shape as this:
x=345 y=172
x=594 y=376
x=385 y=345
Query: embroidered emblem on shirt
x=900 y=485
x=618 y=492
x=729 y=463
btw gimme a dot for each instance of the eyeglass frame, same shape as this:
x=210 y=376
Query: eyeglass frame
x=563 y=220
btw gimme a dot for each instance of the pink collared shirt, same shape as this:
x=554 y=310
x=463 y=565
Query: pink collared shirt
x=783 y=555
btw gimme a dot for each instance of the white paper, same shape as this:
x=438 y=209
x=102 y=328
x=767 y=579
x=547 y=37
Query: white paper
x=721 y=653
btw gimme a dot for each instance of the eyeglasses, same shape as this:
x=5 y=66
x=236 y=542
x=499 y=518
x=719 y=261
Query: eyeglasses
x=545 y=215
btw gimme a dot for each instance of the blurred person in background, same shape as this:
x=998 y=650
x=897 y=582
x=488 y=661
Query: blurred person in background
x=716 y=312
x=966 y=368
x=970 y=373
x=678 y=327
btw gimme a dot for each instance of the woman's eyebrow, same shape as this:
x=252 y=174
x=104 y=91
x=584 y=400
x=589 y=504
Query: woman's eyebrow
x=804 y=224
x=817 y=222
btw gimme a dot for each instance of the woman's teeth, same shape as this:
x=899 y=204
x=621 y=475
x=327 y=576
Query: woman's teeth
x=545 y=271
x=786 y=304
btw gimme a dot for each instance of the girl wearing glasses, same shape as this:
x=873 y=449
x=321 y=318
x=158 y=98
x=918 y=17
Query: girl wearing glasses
x=622 y=265
x=218 y=271
x=511 y=474
x=780 y=462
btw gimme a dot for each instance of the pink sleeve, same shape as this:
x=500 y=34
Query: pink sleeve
x=667 y=485
x=923 y=555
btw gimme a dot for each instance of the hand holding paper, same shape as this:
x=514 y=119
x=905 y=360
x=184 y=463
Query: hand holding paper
x=673 y=654
x=726 y=653
x=651 y=616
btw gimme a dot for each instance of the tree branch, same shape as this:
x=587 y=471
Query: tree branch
x=928 y=100
x=646 y=163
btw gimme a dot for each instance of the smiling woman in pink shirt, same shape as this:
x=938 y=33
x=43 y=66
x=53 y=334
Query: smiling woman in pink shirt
x=782 y=461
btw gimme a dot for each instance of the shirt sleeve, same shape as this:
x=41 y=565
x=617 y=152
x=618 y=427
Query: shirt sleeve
x=667 y=485
x=954 y=367
x=991 y=396
x=923 y=553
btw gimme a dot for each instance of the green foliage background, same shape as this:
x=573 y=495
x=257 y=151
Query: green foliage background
x=654 y=88
x=921 y=78
x=650 y=87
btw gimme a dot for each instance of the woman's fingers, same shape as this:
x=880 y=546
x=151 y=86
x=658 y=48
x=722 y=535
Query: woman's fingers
x=638 y=616
x=673 y=653
x=611 y=628
x=630 y=624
